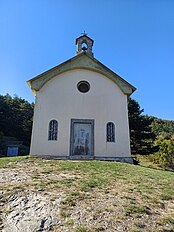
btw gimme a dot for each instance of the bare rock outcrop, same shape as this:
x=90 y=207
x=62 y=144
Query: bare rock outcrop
x=30 y=212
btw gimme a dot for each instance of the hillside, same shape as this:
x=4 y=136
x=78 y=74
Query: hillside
x=162 y=127
x=84 y=196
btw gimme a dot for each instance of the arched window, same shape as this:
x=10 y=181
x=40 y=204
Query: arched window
x=110 y=132
x=53 y=128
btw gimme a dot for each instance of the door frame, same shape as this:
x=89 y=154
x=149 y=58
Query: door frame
x=85 y=121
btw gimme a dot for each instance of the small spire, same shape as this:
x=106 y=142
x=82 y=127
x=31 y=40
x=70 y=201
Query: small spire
x=84 y=44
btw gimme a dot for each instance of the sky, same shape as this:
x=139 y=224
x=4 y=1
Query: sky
x=134 y=38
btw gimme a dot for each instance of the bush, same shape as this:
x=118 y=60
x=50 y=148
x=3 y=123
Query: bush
x=165 y=154
x=23 y=150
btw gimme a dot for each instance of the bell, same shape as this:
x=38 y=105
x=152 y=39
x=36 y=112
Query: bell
x=84 y=49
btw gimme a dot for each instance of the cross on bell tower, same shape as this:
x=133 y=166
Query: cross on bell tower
x=84 y=44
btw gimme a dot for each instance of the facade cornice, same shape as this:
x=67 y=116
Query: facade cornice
x=80 y=61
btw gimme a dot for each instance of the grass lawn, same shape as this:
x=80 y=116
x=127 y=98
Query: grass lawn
x=97 y=195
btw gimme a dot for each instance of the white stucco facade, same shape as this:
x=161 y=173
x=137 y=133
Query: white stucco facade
x=60 y=99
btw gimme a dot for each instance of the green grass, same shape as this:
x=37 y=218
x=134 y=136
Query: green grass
x=100 y=174
x=122 y=190
x=136 y=209
x=81 y=229
x=10 y=161
x=139 y=224
x=167 y=220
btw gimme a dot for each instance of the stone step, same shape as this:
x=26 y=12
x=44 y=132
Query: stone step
x=81 y=157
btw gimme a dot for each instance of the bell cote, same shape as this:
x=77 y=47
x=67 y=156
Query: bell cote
x=84 y=44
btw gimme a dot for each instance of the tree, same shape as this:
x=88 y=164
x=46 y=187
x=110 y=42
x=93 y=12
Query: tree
x=163 y=127
x=16 y=116
x=141 y=135
x=2 y=144
x=165 y=154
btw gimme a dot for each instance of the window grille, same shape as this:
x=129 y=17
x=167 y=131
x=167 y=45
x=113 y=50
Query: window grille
x=110 y=132
x=53 y=128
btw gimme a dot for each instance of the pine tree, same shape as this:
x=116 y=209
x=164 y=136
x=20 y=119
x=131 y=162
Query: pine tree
x=140 y=129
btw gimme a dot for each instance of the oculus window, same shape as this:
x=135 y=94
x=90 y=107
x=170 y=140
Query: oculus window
x=83 y=86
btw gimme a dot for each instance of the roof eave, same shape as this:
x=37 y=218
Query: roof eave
x=74 y=63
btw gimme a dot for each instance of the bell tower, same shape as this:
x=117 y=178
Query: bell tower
x=84 y=44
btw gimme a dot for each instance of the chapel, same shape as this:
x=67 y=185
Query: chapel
x=81 y=110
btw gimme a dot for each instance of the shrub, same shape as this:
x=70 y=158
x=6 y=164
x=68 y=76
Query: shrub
x=165 y=154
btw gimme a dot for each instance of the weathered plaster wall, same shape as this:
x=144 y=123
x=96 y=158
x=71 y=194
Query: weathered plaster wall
x=59 y=99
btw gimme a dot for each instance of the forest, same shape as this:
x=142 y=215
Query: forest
x=150 y=136
x=16 y=115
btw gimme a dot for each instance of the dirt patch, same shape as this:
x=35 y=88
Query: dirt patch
x=84 y=196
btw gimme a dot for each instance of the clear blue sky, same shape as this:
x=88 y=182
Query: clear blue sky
x=134 y=38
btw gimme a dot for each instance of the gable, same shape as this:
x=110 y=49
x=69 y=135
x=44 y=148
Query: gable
x=81 y=61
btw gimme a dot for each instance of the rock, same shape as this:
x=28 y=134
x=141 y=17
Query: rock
x=30 y=213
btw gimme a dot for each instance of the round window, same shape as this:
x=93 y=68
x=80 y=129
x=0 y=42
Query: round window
x=83 y=86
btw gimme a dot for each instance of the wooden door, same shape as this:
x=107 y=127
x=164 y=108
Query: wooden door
x=82 y=137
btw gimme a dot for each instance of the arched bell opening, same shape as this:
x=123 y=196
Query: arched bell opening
x=84 y=46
